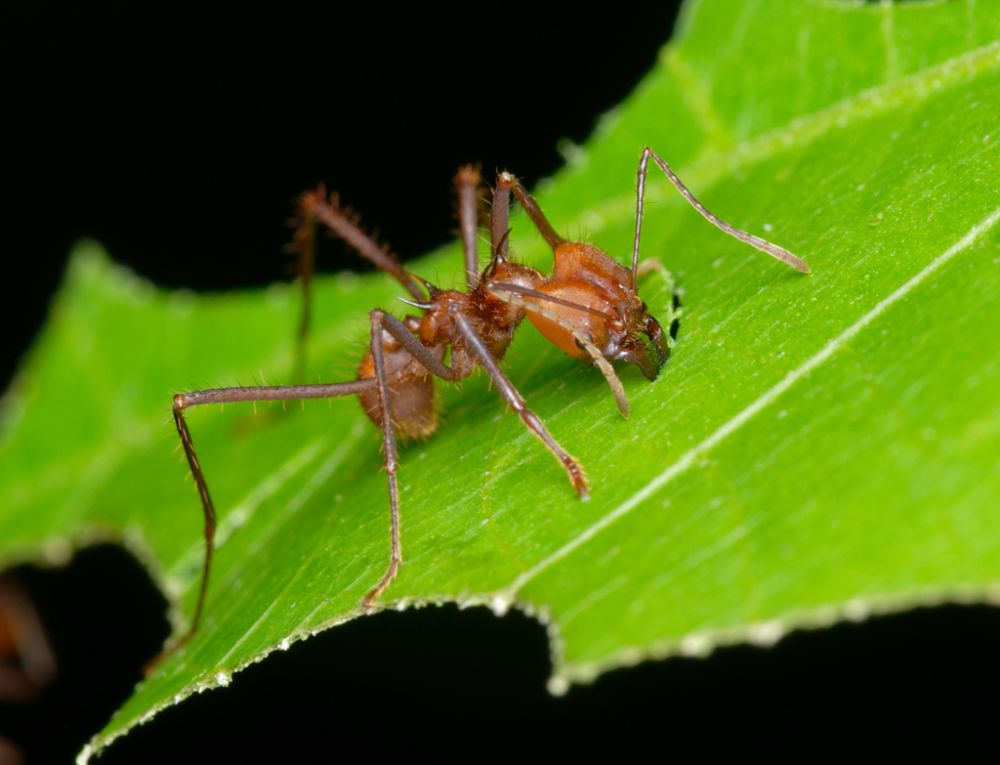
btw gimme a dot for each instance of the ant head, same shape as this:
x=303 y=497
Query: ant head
x=649 y=357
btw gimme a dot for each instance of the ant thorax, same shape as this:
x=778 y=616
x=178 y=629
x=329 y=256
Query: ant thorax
x=502 y=313
x=493 y=320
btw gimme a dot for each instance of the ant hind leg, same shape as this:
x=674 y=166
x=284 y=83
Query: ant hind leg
x=184 y=401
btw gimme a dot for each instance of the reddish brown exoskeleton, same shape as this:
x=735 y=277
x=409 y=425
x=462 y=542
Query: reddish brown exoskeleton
x=589 y=307
x=27 y=662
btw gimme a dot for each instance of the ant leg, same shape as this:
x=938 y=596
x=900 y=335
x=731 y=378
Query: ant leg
x=27 y=663
x=184 y=401
x=507 y=181
x=517 y=289
x=414 y=347
x=467 y=183
x=317 y=207
x=514 y=294
x=499 y=219
x=398 y=330
x=516 y=401
x=304 y=243
x=754 y=241
x=390 y=455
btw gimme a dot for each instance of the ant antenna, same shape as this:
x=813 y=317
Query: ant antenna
x=780 y=253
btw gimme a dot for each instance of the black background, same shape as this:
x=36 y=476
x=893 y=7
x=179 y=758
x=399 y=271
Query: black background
x=178 y=137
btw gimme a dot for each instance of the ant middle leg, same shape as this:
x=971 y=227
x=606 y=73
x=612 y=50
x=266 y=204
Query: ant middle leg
x=506 y=388
x=390 y=455
x=479 y=350
x=431 y=361
x=379 y=384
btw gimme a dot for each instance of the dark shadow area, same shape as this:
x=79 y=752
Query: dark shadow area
x=179 y=138
x=397 y=682
x=104 y=618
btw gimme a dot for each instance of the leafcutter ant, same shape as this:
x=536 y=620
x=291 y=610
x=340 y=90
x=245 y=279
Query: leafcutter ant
x=27 y=662
x=589 y=307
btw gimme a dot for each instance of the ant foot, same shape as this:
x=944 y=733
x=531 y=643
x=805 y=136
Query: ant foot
x=368 y=604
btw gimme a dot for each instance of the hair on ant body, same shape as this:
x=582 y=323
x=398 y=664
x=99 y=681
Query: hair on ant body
x=589 y=307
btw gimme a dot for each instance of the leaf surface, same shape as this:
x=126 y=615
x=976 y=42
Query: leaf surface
x=818 y=448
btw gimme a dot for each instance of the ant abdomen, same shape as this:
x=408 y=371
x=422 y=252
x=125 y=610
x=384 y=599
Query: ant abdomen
x=411 y=388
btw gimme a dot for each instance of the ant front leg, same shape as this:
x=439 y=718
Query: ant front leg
x=183 y=401
x=507 y=182
x=754 y=241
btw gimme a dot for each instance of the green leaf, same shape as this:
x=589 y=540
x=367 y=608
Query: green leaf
x=818 y=448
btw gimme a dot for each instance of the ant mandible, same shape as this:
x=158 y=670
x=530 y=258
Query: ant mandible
x=589 y=307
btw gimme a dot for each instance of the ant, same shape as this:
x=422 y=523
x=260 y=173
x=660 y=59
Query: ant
x=27 y=662
x=589 y=307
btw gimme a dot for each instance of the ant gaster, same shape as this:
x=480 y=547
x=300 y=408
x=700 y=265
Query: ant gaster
x=589 y=307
